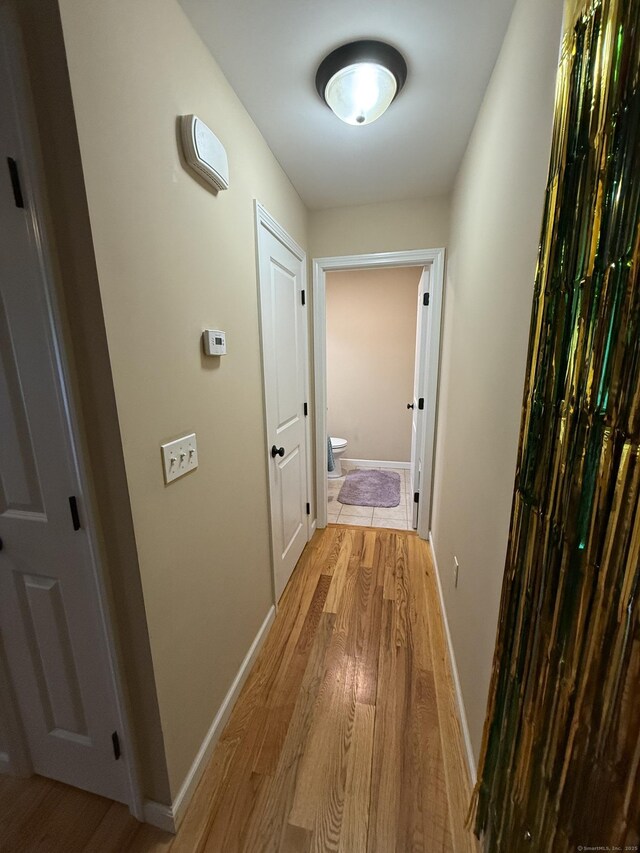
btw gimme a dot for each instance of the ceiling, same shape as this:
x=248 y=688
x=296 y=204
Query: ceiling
x=269 y=51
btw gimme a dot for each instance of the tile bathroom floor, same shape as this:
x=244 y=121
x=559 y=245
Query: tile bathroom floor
x=396 y=517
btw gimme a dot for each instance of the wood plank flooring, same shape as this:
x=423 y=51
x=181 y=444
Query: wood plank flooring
x=345 y=737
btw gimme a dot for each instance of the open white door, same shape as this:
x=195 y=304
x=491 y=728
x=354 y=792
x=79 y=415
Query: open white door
x=426 y=369
x=419 y=394
x=281 y=271
x=52 y=632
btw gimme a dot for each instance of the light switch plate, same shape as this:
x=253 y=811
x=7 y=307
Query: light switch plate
x=179 y=457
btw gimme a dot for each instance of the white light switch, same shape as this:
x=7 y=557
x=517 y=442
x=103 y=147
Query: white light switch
x=179 y=457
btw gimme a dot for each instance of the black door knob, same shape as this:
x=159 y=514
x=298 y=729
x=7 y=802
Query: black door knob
x=410 y=406
x=277 y=451
x=1 y=544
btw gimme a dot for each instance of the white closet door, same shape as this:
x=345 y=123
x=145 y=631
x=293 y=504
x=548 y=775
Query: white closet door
x=51 y=628
x=284 y=343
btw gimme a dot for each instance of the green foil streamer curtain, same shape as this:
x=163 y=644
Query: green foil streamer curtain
x=560 y=763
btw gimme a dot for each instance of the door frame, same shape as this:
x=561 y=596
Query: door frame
x=262 y=218
x=32 y=177
x=433 y=258
x=421 y=360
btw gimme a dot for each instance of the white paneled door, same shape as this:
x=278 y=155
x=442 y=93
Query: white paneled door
x=52 y=633
x=419 y=394
x=284 y=349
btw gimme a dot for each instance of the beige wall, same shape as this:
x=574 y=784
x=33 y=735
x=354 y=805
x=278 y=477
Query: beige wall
x=386 y=227
x=173 y=258
x=495 y=228
x=371 y=332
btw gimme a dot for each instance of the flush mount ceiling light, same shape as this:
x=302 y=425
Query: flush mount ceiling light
x=359 y=80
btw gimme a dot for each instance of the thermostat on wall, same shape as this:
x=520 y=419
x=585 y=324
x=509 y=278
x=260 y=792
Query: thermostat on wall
x=204 y=152
x=214 y=341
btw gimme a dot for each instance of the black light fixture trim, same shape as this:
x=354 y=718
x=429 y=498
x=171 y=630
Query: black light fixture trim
x=365 y=50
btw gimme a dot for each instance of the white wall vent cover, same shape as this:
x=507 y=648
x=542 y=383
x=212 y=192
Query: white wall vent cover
x=204 y=152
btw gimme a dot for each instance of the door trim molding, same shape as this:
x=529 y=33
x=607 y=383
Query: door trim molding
x=262 y=218
x=35 y=187
x=433 y=258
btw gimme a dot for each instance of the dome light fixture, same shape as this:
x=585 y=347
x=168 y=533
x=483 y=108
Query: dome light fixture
x=359 y=80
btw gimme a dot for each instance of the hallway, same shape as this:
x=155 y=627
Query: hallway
x=345 y=736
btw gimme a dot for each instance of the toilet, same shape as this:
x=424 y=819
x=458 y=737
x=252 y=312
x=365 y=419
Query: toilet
x=338 y=445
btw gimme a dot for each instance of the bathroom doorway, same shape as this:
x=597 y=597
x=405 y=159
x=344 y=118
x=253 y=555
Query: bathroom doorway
x=371 y=414
x=377 y=334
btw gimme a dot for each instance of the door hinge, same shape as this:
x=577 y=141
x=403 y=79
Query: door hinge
x=425 y=299
x=75 y=515
x=421 y=402
x=303 y=297
x=14 y=174
x=306 y=409
x=416 y=497
x=308 y=509
x=115 y=740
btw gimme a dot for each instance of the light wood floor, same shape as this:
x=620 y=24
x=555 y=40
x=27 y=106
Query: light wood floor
x=345 y=736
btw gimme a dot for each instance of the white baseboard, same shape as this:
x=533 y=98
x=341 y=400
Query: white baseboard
x=159 y=815
x=169 y=818
x=462 y=714
x=314 y=526
x=377 y=463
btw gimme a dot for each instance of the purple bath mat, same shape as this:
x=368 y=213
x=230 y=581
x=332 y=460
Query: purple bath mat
x=370 y=488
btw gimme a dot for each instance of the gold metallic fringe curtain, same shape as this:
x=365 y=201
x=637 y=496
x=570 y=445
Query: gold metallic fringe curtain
x=560 y=763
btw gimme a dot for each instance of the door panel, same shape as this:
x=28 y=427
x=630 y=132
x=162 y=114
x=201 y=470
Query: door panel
x=286 y=287
x=283 y=321
x=47 y=635
x=51 y=629
x=291 y=473
x=18 y=479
